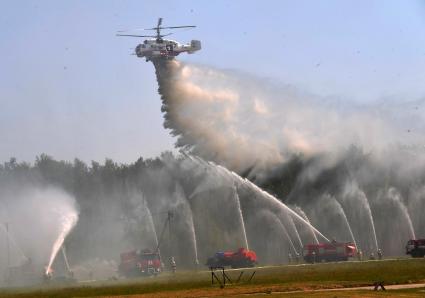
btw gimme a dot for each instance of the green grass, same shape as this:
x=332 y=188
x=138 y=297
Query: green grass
x=411 y=293
x=279 y=278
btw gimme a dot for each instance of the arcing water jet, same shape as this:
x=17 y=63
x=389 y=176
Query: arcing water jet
x=395 y=196
x=233 y=177
x=195 y=244
x=67 y=222
x=183 y=205
x=242 y=223
x=275 y=201
x=364 y=201
x=302 y=213
x=344 y=216
x=294 y=229
x=285 y=232
x=150 y=219
x=246 y=183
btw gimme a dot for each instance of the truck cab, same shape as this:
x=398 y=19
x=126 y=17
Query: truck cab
x=139 y=263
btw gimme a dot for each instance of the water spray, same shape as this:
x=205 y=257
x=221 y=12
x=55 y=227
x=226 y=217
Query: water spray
x=362 y=197
x=289 y=219
x=271 y=198
x=395 y=197
x=241 y=220
x=68 y=221
x=344 y=216
x=302 y=213
x=150 y=219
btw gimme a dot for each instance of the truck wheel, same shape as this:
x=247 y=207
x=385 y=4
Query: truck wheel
x=416 y=254
x=308 y=259
x=246 y=264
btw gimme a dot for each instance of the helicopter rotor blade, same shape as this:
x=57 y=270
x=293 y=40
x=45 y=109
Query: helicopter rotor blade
x=132 y=35
x=158 y=29
x=175 y=27
x=127 y=30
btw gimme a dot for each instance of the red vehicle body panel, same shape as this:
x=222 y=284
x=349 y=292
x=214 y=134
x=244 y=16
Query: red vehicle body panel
x=238 y=259
x=136 y=263
x=332 y=251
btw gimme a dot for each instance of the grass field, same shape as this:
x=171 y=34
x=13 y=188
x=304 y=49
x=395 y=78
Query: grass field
x=267 y=280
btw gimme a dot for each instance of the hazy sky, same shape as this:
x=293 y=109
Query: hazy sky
x=70 y=88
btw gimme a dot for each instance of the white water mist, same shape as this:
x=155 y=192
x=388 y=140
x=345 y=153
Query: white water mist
x=245 y=122
x=68 y=219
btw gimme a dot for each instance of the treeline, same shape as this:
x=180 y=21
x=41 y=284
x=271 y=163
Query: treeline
x=103 y=193
x=111 y=196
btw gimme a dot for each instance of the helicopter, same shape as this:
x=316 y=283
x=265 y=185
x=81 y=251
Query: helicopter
x=160 y=48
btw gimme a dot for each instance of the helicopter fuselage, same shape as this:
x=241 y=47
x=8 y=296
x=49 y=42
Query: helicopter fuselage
x=164 y=48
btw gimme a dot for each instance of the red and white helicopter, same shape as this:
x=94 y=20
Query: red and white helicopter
x=159 y=48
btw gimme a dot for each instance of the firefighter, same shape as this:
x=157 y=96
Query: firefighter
x=372 y=256
x=379 y=253
x=314 y=256
x=289 y=258
x=360 y=255
x=173 y=265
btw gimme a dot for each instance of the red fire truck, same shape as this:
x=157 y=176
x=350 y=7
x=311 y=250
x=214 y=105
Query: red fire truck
x=329 y=252
x=138 y=263
x=238 y=259
x=416 y=248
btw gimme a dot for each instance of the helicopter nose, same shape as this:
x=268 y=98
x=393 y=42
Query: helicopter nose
x=137 y=50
